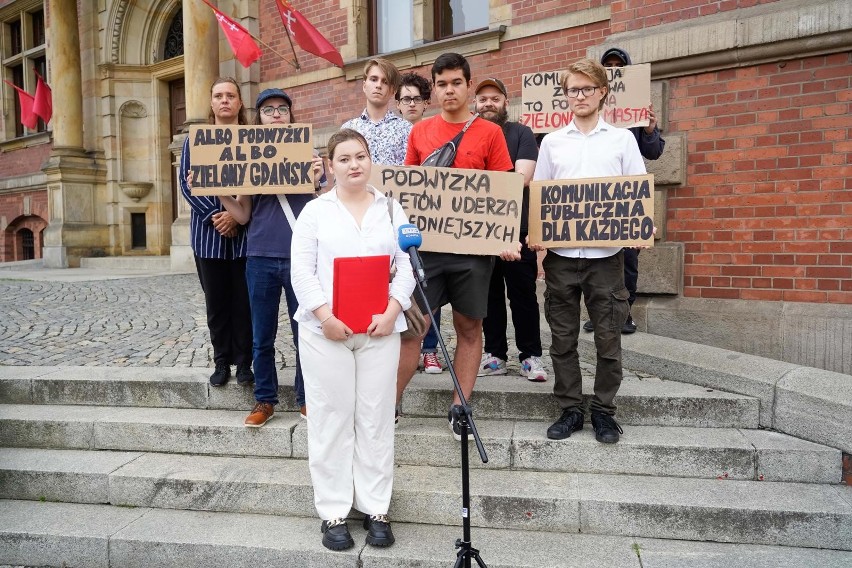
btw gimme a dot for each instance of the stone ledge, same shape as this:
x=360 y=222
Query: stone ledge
x=788 y=29
x=815 y=405
x=806 y=402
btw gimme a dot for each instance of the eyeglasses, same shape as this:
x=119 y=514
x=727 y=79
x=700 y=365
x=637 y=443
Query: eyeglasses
x=409 y=100
x=587 y=92
x=269 y=110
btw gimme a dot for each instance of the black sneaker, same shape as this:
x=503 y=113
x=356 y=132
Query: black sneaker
x=379 y=531
x=606 y=428
x=335 y=535
x=589 y=326
x=629 y=326
x=570 y=421
x=244 y=375
x=221 y=375
x=453 y=419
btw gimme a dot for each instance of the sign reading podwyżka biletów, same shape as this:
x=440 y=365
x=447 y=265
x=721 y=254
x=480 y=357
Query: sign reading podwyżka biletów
x=457 y=211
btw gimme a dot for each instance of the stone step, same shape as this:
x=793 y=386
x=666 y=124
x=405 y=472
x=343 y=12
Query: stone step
x=642 y=401
x=102 y=536
x=751 y=512
x=144 y=263
x=643 y=450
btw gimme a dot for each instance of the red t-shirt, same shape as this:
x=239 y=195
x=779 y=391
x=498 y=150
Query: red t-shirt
x=483 y=146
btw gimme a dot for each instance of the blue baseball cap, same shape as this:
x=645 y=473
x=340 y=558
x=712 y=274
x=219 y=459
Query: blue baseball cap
x=270 y=94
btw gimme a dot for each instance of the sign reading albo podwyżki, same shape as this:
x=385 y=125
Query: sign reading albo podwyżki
x=544 y=106
x=457 y=211
x=248 y=160
x=592 y=212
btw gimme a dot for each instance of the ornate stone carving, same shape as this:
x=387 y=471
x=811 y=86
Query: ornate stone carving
x=133 y=109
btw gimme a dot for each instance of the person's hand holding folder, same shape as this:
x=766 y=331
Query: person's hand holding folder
x=360 y=293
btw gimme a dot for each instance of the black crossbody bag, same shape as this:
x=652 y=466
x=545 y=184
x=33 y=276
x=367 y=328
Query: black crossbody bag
x=445 y=155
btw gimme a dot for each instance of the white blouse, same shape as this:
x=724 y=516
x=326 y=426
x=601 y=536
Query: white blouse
x=326 y=230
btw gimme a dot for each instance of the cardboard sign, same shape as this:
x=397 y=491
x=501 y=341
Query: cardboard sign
x=457 y=211
x=246 y=160
x=544 y=107
x=593 y=212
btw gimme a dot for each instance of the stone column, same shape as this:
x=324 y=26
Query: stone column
x=72 y=175
x=201 y=67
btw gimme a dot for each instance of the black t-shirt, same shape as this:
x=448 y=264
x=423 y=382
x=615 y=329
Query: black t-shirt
x=521 y=142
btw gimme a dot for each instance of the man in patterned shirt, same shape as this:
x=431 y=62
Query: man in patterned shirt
x=386 y=132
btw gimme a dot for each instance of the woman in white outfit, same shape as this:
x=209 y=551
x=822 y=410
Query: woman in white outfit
x=350 y=379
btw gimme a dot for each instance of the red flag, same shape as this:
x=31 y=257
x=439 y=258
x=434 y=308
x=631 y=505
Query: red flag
x=306 y=35
x=245 y=49
x=28 y=118
x=43 y=102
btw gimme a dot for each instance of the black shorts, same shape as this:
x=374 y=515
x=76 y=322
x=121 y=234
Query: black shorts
x=460 y=280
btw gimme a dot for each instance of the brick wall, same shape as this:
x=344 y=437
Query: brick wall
x=24 y=161
x=766 y=212
x=640 y=14
x=333 y=102
x=12 y=209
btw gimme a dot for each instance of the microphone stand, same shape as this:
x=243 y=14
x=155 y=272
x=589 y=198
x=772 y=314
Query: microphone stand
x=464 y=415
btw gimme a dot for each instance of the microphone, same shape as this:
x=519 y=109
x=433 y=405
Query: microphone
x=410 y=240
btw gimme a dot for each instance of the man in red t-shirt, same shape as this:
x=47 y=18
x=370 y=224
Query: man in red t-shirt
x=460 y=280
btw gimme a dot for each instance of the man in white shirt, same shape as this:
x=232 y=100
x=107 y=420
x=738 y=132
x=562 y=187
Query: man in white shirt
x=586 y=148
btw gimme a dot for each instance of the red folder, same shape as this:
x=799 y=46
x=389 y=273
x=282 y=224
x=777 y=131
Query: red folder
x=360 y=289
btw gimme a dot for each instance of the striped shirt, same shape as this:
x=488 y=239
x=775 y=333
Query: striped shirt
x=206 y=241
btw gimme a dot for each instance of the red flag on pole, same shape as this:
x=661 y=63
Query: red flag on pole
x=43 y=102
x=28 y=118
x=306 y=35
x=245 y=49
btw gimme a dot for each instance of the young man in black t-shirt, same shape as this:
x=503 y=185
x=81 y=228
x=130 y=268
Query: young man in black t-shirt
x=515 y=279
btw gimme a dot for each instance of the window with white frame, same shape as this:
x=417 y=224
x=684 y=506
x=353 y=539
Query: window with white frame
x=392 y=22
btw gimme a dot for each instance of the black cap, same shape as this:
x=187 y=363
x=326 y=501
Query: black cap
x=272 y=93
x=618 y=52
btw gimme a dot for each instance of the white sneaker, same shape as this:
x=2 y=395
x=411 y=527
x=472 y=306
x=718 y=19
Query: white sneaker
x=431 y=364
x=490 y=365
x=533 y=369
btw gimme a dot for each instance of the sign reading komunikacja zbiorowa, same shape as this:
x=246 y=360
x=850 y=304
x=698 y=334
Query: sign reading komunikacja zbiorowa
x=457 y=211
x=544 y=107
x=247 y=160
x=593 y=212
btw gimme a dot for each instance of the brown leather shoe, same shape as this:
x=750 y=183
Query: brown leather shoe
x=260 y=415
x=303 y=412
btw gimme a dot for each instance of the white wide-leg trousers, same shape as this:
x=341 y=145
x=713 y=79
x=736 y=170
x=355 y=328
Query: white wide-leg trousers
x=350 y=391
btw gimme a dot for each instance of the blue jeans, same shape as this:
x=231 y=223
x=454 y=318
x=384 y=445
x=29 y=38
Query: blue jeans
x=430 y=341
x=266 y=276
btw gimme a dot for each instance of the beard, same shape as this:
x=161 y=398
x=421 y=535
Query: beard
x=499 y=117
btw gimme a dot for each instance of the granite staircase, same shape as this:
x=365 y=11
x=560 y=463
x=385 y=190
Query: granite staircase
x=144 y=467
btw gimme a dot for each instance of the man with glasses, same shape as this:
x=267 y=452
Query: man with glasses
x=386 y=132
x=412 y=99
x=588 y=147
x=651 y=146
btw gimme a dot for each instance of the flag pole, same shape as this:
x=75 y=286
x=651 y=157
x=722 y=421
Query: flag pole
x=290 y=39
x=254 y=37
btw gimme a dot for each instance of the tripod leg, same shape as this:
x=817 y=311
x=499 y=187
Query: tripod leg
x=475 y=553
x=460 y=559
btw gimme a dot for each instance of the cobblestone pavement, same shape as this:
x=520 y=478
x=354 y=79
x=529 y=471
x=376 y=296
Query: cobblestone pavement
x=157 y=321
x=143 y=321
